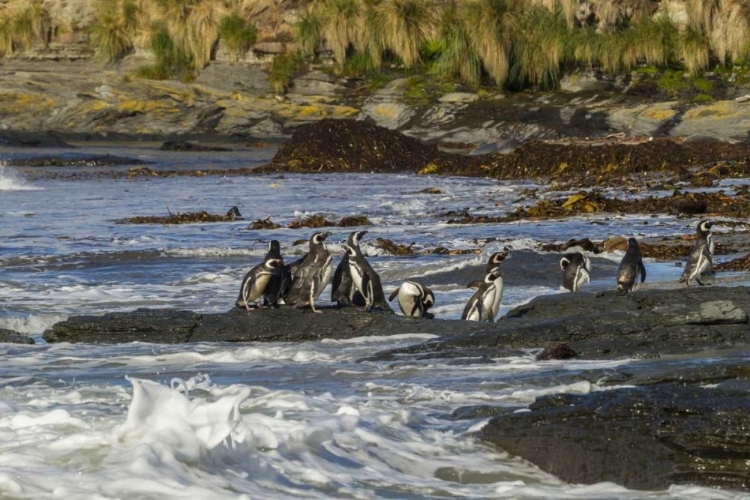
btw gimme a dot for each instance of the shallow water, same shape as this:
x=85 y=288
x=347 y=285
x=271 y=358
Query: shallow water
x=271 y=420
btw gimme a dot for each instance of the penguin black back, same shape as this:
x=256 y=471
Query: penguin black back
x=631 y=271
x=343 y=291
x=576 y=271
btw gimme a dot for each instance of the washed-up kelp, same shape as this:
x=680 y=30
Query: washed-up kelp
x=184 y=218
x=357 y=146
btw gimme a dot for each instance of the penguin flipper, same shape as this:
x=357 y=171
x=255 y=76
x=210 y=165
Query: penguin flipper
x=474 y=284
x=247 y=285
x=394 y=294
x=643 y=270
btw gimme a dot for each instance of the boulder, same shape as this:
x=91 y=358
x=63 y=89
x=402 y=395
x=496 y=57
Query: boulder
x=11 y=337
x=165 y=326
x=646 y=323
x=642 y=438
x=459 y=97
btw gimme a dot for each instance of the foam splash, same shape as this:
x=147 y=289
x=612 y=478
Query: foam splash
x=9 y=181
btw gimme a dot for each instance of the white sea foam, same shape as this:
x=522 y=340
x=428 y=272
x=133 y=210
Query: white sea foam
x=10 y=181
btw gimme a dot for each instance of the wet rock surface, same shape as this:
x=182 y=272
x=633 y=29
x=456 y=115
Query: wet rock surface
x=73 y=160
x=645 y=324
x=266 y=325
x=11 y=337
x=641 y=438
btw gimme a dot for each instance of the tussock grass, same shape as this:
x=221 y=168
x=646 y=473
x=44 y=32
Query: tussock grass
x=283 y=69
x=113 y=31
x=237 y=34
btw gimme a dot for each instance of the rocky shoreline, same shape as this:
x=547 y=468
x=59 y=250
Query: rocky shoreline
x=667 y=427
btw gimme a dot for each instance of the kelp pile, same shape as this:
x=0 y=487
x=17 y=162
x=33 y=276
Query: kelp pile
x=710 y=204
x=184 y=218
x=739 y=264
x=356 y=146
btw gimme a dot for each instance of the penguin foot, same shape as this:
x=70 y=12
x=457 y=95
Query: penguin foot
x=700 y=283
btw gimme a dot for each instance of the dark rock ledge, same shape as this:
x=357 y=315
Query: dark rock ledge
x=11 y=337
x=167 y=326
x=642 y=438
x=605 y=325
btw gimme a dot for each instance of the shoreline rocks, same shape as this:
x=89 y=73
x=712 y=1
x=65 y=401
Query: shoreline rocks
x=642 y=438
x=607 y=325
x=11 y=337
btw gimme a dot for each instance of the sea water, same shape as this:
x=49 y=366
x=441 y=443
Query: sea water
x=266 y=420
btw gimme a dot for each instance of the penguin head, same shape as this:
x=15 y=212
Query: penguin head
x=273 y=263
x=632 y=242
x=564 y=263
x=498 y=257
x=349 y=250
x=492 y=276
x=356 y=237
x=319 y=238
x=705 y=226
x=274 y=247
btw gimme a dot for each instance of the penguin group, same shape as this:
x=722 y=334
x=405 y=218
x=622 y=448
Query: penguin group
x=355 y=282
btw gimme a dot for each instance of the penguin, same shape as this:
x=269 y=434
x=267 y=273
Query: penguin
x=495 y=260
x=485 y=303
x=631 y=272
x=701 y=257
x=258 y=282
x=277 y=282
x=576 y=268
x=343 y=291
x=311 y=274
x=365 y=279
x=414 y=299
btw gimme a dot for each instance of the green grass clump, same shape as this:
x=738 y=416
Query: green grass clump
x=283 y=69
x=421 y=89
x=114 y=29
x=171 y=60
x=237 y=34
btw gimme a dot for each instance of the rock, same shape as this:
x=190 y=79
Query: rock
x=391 y=115
x=73 y=160
x=642 y=438
x=500 y=147
x=581 y=82
x=615 y=243
x=721 y=119
x=647 y=323
x=272 y=47
x=11 y=337
x=265 y=129
x=267 y=325
x=743 y=98
x=317 y=83
x=479 y=411
x=16 y=139
x=459 y=97
x=560 y=351
x=644 y=119
x=189 y=146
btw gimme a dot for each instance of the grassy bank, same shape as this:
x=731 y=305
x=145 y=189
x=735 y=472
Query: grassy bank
x=515 y=44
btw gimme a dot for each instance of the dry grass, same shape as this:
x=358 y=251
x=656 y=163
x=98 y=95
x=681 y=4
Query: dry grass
x=726 y=23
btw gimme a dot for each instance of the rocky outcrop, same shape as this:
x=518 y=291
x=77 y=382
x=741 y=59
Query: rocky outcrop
x=605 y=325
x=266 y=325
x=609 y=325
x=641 y=438
x=11 y=337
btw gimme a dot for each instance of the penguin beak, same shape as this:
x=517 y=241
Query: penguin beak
x=325 y=235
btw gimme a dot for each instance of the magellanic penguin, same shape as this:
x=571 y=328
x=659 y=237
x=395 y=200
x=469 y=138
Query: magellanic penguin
x=414 y=299
x=631 y=272
x=576 y=268
x=365 y=279
x=701 y=257
x=343 y=291
x=495 y=260
x=312 y=274
x=263 y=281
x=485 y=303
